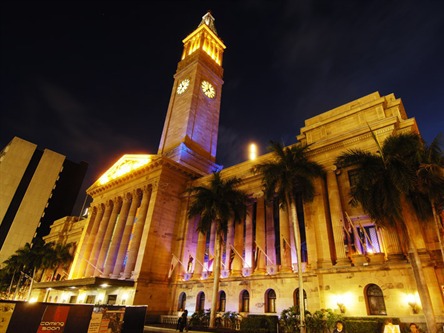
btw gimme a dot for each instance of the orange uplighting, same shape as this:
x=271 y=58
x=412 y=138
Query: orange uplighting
x=205 y=39
x=124 y=165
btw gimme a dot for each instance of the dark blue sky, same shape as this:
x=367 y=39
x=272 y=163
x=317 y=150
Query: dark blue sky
x=92 y=80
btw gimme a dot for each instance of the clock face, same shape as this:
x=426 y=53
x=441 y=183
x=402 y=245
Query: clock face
x=208 y=89
x=183 y=85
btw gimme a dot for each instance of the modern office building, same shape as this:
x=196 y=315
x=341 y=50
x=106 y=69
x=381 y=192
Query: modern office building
x=36 y=188
x=139 y=247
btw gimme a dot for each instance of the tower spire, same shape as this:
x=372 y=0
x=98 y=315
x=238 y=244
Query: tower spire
x=208 y=20
x=191 y=126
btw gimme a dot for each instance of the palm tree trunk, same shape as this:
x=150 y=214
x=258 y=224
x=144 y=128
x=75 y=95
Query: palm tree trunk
x=418 y=272
x=31 y=284
x=297 y=238
x=12 y=282
x=216 y=276
x=438 y=228
x=17 y=287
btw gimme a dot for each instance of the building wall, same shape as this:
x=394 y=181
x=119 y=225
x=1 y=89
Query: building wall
x=332 y=274
x=138 y=230
x=39 y=187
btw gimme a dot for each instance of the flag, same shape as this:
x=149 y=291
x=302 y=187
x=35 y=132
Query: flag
x=232 y=255
x=173 y=265
x=210 y=261
x=190 y=264
x=255 y=255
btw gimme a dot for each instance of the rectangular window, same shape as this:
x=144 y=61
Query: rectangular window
x=368 y=239
x=90 y=299
x=112 y=299
x=353 y=177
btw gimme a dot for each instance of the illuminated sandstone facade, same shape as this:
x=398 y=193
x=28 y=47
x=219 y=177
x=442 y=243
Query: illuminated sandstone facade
x=140 y=243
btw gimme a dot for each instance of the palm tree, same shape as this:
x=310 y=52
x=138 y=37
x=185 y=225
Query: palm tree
x=387 y=189
x=34 y=257
x=219 y=202
x=62 y=258
x=11 y=266
x=287 y=177
x=430 y=177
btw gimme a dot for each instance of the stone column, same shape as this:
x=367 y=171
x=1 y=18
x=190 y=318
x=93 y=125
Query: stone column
x=89 y=241
x=229 y=243
x=337 y=218
x=270 y=234
x=260 y=237
x=285 y=241
x=117 y=237
x=392 y=245
x=236 y=266
x=200 y=255
x=249 y=238
x=137 y=234
x=318 y=249
x=117 y=205
x=91 y=265
x=121 y=254
x=212 y=240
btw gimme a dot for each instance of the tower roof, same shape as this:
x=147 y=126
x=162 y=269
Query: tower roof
x=208 y=20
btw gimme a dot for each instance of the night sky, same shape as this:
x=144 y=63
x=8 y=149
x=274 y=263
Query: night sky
x=92 y=80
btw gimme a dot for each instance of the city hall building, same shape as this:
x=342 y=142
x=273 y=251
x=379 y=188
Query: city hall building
x=139 y=247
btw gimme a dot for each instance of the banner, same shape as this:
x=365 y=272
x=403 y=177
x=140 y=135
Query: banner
x=174 y=262
x=106 y=320
x=6 y=310
x=54 y=319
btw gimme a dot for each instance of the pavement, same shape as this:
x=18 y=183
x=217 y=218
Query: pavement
x=157 y=329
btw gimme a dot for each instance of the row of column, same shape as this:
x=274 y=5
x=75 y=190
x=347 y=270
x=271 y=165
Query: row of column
x=115 y=230
x=390 y=241
x=212 y=49
x=244 y=239
x=192 y=45
x=248 y=249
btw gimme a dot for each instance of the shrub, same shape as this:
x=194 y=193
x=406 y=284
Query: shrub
x=322 y=321
x=200 y=319
x=259 y=324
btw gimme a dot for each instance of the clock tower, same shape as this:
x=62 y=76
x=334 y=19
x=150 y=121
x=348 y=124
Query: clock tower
x=189 y=135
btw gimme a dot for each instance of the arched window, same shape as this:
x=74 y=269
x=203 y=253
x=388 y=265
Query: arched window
x=222 y=301
x=296 y=299
x=182 y=302
x=244 y=301
x=270 y=301
x=200 y=302
x=374 y=300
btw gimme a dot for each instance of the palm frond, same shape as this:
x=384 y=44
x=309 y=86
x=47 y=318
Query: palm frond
x=219 y=202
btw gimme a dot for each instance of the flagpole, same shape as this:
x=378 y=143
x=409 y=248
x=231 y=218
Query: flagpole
x=268 y=258
x=232 y=247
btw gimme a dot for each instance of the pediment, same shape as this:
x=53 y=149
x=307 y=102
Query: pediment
x=126 y=164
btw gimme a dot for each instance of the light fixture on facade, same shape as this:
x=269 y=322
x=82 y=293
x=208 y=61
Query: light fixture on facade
x=342 y=300
x=341 y=307
x=124 y=298
x=413 y=301
x=81 y=298
x=246 y=271
x=415 y=307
